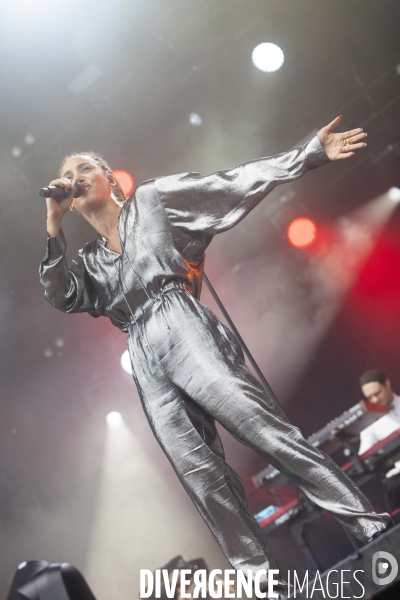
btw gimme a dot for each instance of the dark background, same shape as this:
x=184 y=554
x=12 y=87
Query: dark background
x=313 y=319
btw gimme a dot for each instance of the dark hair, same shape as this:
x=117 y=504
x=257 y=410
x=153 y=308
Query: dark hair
x=373 y=375
x=120 y=196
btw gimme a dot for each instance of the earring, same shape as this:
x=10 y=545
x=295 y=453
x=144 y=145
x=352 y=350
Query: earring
x=72 y=209
x=116 y=200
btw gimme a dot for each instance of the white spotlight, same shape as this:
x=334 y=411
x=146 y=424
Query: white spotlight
x=29 y=139
x=268 y=57
x=126 y=362
x=28 y=9
x=394 y=194
x=16 y=151
x=195 y=119
x=114 y=418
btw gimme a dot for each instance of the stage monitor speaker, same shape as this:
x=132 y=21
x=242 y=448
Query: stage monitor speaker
x=40 y=580
x=373 y=572
x=392 y=493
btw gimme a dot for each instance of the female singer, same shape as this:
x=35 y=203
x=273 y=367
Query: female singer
x=144 y=271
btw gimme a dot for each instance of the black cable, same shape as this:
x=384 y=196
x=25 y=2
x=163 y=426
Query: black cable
x=257 y=369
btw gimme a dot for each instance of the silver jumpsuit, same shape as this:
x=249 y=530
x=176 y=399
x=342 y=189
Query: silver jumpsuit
x=188 y=367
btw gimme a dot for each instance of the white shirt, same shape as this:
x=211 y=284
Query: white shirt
x=382 y=428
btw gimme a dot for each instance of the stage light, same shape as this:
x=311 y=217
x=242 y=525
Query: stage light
x=29 y=139
x=27 y=8
x=394 y=194
x=114 y=419
x=16 y=151
x=268 y=57
x=125 y=180
x=195 y=119
x=302 y=232
x=59 y=342
x=38 y=580
x=126 y=362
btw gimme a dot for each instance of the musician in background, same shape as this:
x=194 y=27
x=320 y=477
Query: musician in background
x=377 y=389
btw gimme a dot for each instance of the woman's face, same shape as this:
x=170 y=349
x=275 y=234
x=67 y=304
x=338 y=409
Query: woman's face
x=96 y=184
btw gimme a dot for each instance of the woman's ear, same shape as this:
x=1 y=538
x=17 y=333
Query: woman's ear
x=111 y=179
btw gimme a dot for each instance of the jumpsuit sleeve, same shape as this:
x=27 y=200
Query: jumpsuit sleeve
x=214 y=203
x=68 y=289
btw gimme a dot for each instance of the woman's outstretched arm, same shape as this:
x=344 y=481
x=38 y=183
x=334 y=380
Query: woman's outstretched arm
x=209 y=204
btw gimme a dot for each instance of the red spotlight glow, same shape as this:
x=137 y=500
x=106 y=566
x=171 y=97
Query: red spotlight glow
x=125 y=180
x=301 y=232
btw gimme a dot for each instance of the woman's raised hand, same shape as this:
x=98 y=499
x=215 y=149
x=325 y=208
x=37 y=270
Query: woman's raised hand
x=56 y=209
x=340 y=145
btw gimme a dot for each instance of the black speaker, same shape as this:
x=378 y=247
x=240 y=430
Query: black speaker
x=391 y=593
x=40 y=580
x=392 y=493
x=371 y=572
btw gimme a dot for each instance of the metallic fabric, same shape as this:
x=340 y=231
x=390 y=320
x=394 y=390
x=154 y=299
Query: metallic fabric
x=188 y=367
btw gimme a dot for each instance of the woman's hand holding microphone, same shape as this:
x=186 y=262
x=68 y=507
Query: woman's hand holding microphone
x=56 y=208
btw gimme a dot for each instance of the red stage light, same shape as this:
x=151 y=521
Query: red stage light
x=125 y=180
x=301 y=232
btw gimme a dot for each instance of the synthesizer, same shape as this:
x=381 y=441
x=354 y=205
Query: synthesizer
x=330 y=438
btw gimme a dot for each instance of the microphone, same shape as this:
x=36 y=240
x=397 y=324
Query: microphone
x=59 y=193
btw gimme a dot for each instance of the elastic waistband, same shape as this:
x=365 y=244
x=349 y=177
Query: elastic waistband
x=175 y=285
x=169 y=287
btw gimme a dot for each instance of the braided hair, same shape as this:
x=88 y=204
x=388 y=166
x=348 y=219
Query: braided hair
x=117 y=192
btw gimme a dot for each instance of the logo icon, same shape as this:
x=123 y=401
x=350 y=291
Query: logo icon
x=384 y=568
